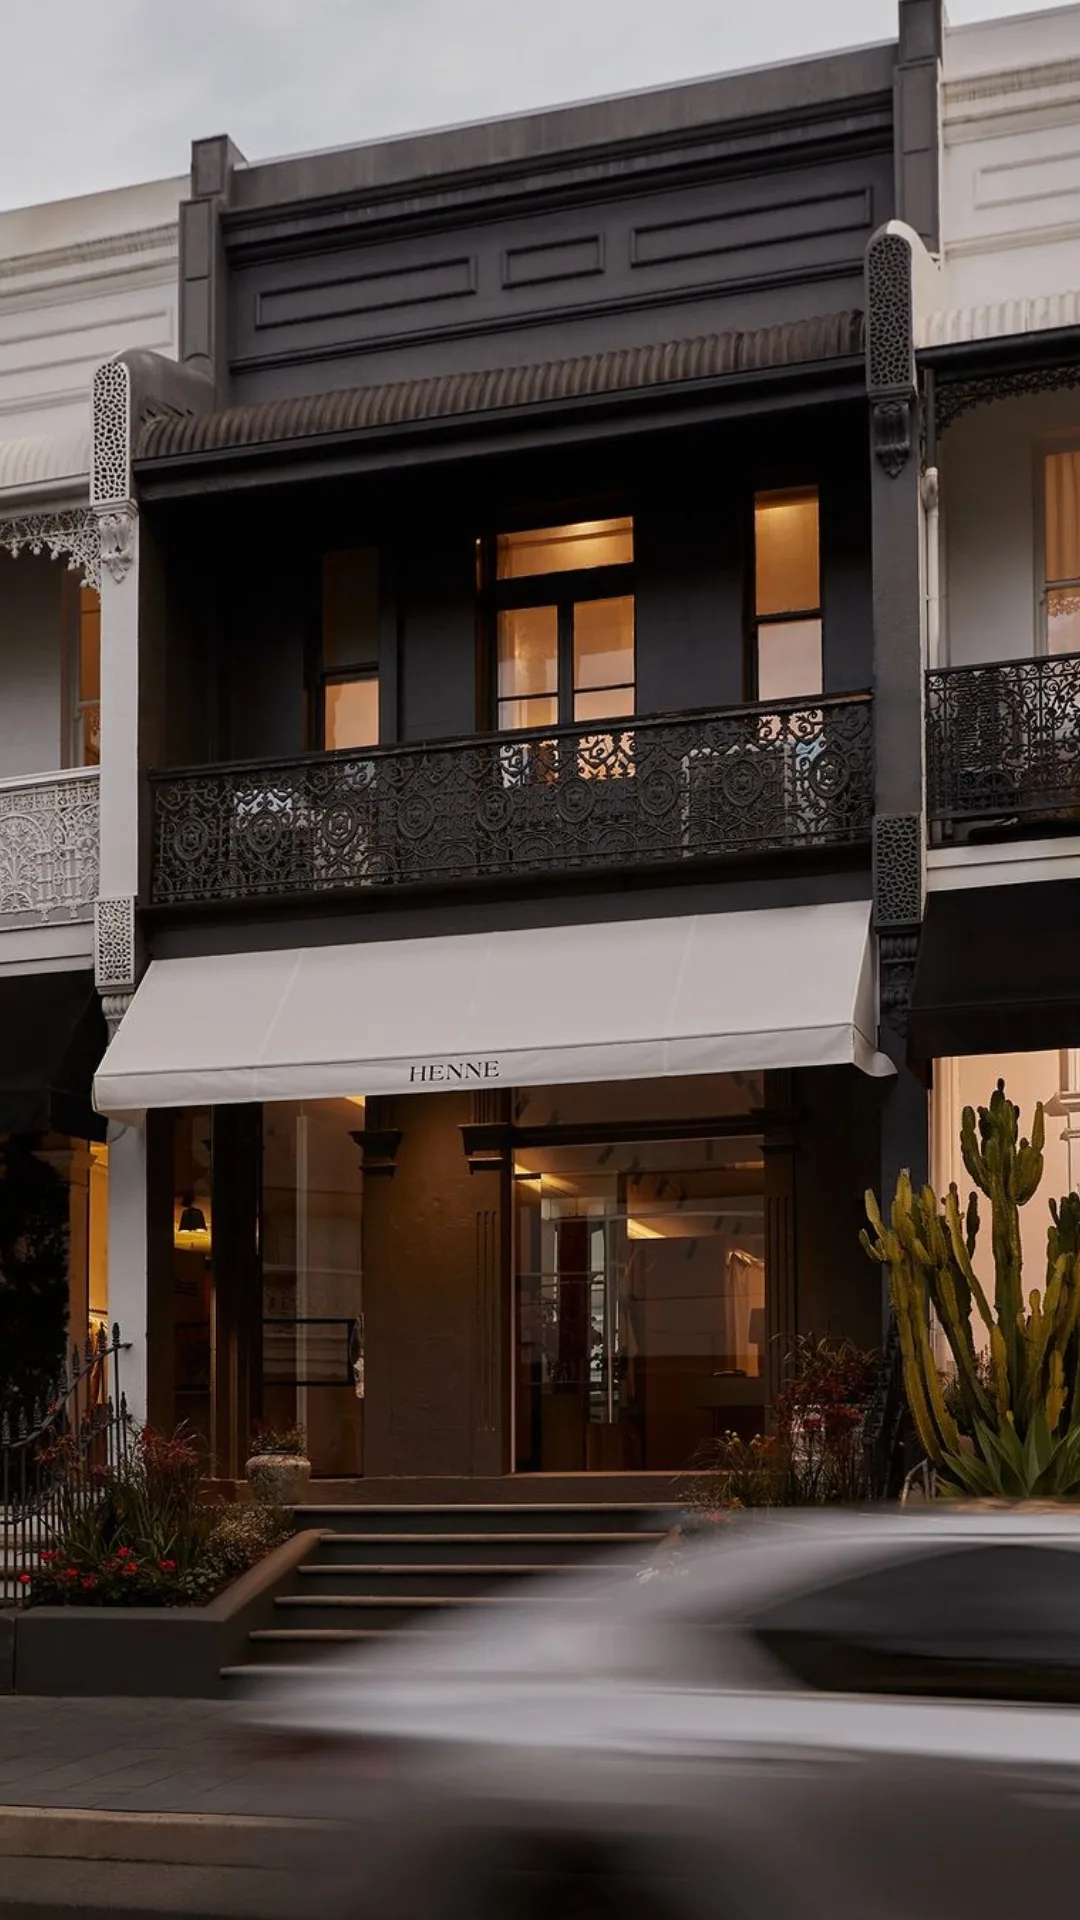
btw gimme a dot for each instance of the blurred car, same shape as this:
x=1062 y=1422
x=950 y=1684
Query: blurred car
x=865 y=1716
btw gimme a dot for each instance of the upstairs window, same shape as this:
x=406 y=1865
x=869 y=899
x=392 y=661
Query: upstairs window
x=86 y=719
x=563 y=604
x=787 y=595
x=349 y=682
x=1061 y=592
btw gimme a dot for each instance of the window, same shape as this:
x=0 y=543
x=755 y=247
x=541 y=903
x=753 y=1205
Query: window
x=564 y=624
x=87 y=715
x=349 y=685
x=787 y=595
x=1061 y=476
x=990 y=1622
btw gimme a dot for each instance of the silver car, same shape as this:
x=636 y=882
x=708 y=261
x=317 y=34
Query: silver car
x=860 y=1716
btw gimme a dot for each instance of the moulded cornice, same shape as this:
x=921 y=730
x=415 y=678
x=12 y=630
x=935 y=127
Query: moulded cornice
x=83 y=253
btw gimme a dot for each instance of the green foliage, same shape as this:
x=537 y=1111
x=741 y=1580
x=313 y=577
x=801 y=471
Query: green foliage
x=1030 y=1383
x=813 y=1455
x=139 y=1533
x=286 y=1440
x=244 y=1533
x=1043 y=1467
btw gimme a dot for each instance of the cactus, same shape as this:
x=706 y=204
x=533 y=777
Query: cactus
x=928 y=1247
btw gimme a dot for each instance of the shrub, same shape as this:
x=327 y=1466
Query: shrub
x=243 y=1534
x=288 y=1440
x=814 y=1454
x=138 y=1532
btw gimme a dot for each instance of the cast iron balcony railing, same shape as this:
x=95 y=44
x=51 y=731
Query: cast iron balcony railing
x=1003 y=741
x=49 y=832
x=693 y=787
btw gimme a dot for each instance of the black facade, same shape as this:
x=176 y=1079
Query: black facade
x=642 y=323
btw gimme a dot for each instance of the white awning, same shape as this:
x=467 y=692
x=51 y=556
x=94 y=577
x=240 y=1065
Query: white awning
x=626 y=1000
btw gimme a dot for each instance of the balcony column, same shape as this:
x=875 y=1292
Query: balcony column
x=895 y=256
x=114 y=915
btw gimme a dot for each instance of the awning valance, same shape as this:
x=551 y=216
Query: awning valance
x=976 y=990
x=624 y=1000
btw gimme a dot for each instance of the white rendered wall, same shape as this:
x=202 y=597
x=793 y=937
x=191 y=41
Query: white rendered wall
x=35 y=609
x=80 y=281
x=1011 y=159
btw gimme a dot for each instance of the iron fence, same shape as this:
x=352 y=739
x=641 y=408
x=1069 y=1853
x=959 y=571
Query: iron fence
x=53 y=1452
x=888 y=1430
x=653 y=792
x=1003 y=740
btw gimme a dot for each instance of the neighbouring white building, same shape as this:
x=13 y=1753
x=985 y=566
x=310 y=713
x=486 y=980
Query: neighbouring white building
x=80 y=280
x=999 y=341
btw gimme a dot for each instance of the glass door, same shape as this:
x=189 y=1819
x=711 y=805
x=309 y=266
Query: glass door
x=640 y=1296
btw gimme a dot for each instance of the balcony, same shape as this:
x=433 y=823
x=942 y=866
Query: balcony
x=558 y=801
x=48 y=848
x=1003 y=745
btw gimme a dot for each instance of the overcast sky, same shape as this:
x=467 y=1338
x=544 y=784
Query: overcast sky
x=102 y=94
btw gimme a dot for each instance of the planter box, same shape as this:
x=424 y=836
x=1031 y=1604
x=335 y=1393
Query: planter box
x=148 y=1651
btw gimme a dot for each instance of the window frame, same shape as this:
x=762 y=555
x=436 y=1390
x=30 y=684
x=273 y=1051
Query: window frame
x=76 y=705
x=348 y=675
x=563 y=591
x=1044 y=447
x=756 y=622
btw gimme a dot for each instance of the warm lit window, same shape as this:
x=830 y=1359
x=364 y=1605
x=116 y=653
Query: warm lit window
x=787 y=594
x=1062 y=558
x=350 y=649
x=564 y=624
x=87 y=716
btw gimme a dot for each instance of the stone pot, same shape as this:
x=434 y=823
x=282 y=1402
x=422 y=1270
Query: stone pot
x=281 y=1478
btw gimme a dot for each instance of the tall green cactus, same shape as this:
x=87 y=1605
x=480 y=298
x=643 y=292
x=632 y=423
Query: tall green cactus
x=928 y=1247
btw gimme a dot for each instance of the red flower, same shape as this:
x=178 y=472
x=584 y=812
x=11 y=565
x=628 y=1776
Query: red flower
x=131 y=1567
x=88 y=1580
x=47 y=1556
x=125 y=1553
x=24 y=1579
x=68 y=1574
x=167 y=1566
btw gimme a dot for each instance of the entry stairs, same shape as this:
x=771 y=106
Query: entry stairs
x=379 y=1569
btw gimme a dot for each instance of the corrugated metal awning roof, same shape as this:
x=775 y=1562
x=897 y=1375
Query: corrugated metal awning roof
x=709 y=357
x=43 y=462
x=998 y=320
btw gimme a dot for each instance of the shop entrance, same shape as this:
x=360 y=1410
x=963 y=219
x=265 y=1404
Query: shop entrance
x=640 y=1301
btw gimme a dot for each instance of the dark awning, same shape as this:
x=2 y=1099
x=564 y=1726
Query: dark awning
x=52 y=1037
x=998 y=971
x=677 y=363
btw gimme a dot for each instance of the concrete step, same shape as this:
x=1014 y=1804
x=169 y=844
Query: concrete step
x=480 y=1549
x=618 y=1517
x=390 y=1609
x=447 y=1578
x=306 y=1647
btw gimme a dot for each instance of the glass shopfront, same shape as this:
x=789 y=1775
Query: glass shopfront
x=591 y=1297
x=639 y=1276
x=640 y=1292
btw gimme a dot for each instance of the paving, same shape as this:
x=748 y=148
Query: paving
x=141 y=1807
x=142 y=1756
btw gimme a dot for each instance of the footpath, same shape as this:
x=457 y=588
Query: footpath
x=132 y=1808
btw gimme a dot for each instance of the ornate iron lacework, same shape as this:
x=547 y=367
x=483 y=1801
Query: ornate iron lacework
x=954 y=398
x=48 y=850
x=71 y=535
x=658 y=792
x=1003 y=740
